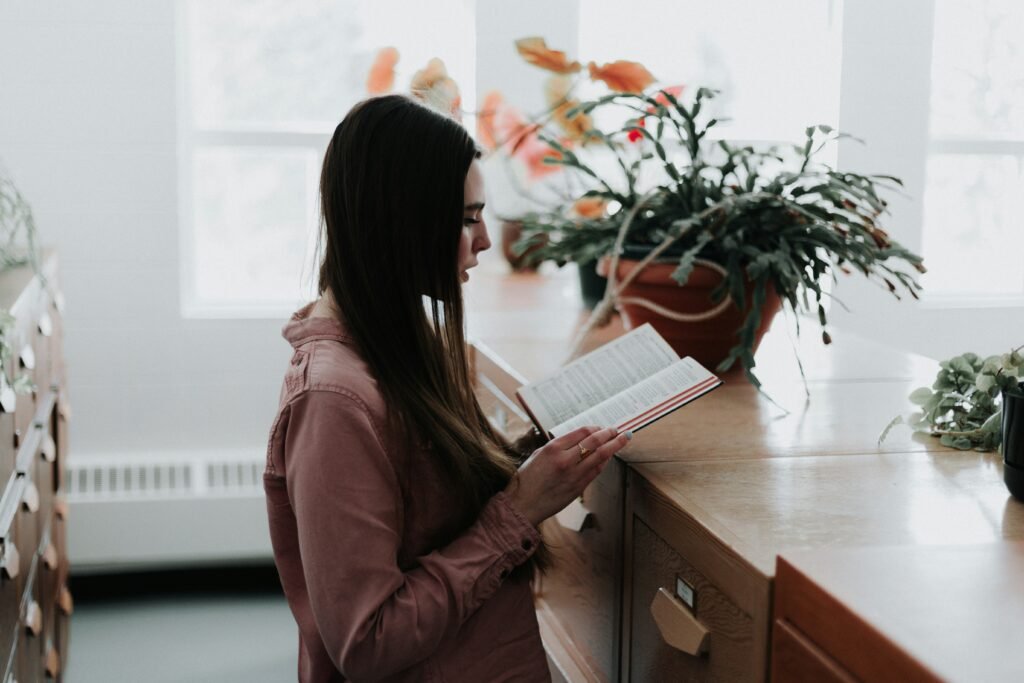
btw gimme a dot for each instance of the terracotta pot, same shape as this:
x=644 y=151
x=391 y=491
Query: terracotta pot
x=510 y=233
x=708 y=341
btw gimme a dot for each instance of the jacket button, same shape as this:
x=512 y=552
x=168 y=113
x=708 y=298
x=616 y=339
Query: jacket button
x=527 y=544
x=504 y=573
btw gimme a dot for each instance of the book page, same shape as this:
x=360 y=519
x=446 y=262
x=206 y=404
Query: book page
x=655 y=397
x=597 y=376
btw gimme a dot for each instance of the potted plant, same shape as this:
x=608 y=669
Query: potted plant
x=707 y=239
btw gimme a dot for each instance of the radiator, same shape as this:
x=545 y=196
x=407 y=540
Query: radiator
x=166 y=510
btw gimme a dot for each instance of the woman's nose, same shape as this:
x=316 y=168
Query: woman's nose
x=483 y=240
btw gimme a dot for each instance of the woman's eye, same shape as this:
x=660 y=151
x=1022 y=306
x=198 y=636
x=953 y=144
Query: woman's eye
x=470 y=221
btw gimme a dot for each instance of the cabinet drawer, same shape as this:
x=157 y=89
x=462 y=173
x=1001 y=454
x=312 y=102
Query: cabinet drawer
x=8 y=453
x=30 y=635
x=796 y=659
x=692 y=609
x=578 y=600
x=727 y=650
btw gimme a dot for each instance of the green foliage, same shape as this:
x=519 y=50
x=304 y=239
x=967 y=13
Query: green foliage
x=963 y=406
x=772 y=217
x=17 y=248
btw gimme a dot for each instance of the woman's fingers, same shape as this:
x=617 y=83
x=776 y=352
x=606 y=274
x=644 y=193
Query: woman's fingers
x=604 y=453
x=567 y=441
x=597 y=439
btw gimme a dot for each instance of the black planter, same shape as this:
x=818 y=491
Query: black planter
x=1013 y=440
x=592 y=285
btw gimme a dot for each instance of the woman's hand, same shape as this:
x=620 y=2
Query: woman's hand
x=559 y=471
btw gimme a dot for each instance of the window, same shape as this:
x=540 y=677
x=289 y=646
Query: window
x=263 y=85
x=775 y=63
x=972 y=238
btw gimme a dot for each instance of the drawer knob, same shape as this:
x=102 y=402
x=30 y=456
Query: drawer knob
x=574 y=516
x=28 y=357
x=678 y=625
x=49 y=449
x=45 y=324
x=8 y=397
x=30 y=499
x=65 y=602
x=11 y=561
x=50 y=557
x=52 y=662
x=33 y=619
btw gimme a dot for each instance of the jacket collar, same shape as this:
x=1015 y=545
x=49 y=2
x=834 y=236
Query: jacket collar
x=301 y=329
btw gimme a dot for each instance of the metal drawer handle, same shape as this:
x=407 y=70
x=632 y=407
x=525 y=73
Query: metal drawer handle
x=50 y=558
x=49 y=449
x=574 y=516
x=28 y=357
x=45 y=324
x=33 y=619
x=52 y=662
x=30 y=499
x=678 y=625
x=65 y=602
x=11 y=562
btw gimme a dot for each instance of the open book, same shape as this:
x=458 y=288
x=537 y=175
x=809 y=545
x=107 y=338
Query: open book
x=628 y=383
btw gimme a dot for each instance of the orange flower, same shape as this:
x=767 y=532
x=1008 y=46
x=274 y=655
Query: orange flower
x=622 y=76
x=556 y=92
x=590 y=207
x=433 y=86
x=485 y=131
x=673 y=90
x=381 y=78
x=535 y=51
x=521 y=142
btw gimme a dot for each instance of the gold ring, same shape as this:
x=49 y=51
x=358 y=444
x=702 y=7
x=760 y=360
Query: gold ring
x=584 y=451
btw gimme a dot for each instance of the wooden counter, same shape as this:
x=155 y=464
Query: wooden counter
x=702 y=502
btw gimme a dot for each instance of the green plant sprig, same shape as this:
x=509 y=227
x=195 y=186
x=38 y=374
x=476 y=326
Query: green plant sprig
x=963 y=407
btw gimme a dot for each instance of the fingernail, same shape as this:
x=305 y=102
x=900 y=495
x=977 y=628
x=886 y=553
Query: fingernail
x=629 y=435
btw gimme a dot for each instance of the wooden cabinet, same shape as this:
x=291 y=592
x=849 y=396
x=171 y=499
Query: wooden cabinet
x=913 y=613
x=679 y=582
x=33 y=450
x=666 y=571
x=578 y=600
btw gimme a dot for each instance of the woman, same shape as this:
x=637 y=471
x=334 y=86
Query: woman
x=402 y=529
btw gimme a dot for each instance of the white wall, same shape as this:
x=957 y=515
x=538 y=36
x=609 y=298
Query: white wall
x=87 y=131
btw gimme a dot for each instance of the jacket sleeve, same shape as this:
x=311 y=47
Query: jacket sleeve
x=373 y=618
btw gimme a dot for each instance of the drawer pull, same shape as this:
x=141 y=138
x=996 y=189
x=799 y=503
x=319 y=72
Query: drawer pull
x=33 y=619
x=45 y=324
x=678 y=625
x=30 y=499
x=8 y=397
x=52 y=662
x=28 y=357
x=574 y=516
x=11 y=561
x=65 y=602
x=50 y=557
x=49 y=449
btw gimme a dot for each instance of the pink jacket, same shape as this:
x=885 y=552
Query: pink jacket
x=354 y=518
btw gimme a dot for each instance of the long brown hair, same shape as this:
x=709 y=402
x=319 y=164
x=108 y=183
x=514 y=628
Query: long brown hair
x=392 y=207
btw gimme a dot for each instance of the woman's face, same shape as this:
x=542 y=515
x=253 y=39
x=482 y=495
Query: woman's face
x=474 y=232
